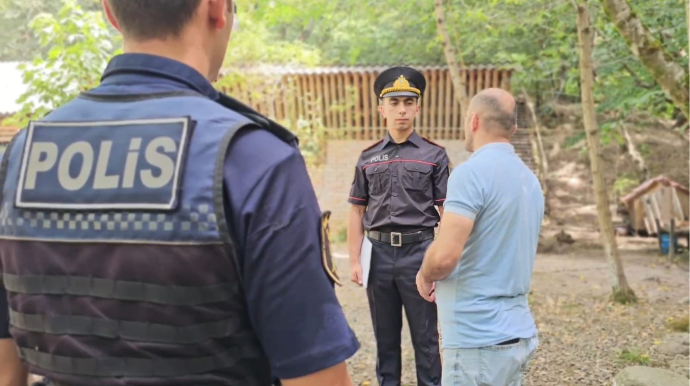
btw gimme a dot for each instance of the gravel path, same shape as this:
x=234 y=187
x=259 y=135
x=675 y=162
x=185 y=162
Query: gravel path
x=582 y=334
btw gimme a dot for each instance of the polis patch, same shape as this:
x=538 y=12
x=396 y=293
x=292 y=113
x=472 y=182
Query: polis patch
x=104 y=165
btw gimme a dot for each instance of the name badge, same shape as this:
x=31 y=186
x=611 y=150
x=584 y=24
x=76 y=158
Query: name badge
x=112 y=165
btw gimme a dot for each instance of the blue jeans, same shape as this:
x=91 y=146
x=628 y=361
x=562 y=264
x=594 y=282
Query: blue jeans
x=488 y=366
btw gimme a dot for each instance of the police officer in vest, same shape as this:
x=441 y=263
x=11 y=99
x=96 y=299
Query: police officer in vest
x=154 y=231
x=397 y=196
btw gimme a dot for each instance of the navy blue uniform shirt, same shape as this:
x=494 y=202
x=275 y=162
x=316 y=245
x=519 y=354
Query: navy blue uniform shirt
x=400 y=184
x=270 y=202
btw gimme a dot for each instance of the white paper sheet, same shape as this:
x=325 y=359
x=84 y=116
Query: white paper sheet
x=365 y=260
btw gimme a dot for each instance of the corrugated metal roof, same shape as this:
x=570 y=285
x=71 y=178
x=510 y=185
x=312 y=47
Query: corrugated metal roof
x=294 y=70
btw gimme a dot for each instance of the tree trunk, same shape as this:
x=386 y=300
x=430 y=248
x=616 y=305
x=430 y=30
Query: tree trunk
x=621 y=290
x=539 y=152
x=670 y=75
x=459 y=84
x=636 y=156
x=687 y=22
x=538 y=147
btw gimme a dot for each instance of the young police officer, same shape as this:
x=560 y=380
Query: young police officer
x=156 y=232
x=399 y=183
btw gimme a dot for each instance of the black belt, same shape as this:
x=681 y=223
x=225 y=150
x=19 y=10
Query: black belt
x=507 y=342
x=398 y=239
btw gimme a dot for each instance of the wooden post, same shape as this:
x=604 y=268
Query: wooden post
x=456 y=120
x=375 y=115
x=333 y=89
x=347 y=92
x=505 y=81
x=671 y=240
x=433 y=102
x=357 y=120
x=473 y=83
x=487 y=78
x=424 y=113
x=366 y=102
x=301 y=97
x=449 y=127
x=342 y=104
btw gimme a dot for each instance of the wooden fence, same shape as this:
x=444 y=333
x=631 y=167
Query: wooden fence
x=343 y=101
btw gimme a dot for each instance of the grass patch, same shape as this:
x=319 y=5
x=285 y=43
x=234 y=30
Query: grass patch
x=623 y=296
x=634 y=356
x=679 y=325
x=340 y=236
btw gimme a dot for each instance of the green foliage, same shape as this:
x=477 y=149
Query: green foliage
x=253 y=43
x=78 y=46
x=623 y=296
x=624 y=184
x=574 y=139
x=18 y=41
x=536 y=37
x=681 y=324
x=634 y=356
x=340 y=236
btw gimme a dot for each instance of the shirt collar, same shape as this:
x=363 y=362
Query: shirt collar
x=499 y=146
x=152 y=65
x=414 y=138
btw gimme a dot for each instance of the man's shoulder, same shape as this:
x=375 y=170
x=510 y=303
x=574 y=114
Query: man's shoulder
x=371 y=147
x=432 y=143
x=261 y=147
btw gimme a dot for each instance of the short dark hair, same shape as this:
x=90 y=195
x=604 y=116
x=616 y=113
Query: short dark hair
x=496 y=113
x=153 y=19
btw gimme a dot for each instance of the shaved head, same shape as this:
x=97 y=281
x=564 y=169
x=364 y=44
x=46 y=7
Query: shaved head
x=491 y=117
x=496 y=108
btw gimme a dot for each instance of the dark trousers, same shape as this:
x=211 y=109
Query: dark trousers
x=391 y=287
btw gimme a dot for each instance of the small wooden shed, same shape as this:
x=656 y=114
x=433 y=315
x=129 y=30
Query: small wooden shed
x=654 y=203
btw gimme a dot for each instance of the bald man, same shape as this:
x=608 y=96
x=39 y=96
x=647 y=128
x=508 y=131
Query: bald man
x=480 y=266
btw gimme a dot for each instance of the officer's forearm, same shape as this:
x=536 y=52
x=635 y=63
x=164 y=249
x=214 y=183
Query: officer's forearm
x=12 y=371
x=355 y=232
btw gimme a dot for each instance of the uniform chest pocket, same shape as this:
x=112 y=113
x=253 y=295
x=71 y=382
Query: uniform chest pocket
x=416 y=176
x=379 y=178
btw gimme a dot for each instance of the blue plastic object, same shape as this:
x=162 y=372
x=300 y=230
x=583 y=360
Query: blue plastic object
x=665 y=243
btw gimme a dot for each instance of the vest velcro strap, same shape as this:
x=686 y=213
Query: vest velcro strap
x=121 y=329
x=117 y=289
x=132 y=367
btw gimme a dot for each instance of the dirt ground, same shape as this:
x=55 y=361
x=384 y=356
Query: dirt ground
x=582 y=334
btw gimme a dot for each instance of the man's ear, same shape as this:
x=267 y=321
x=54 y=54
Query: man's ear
x=109 y=15
x=218 y=12
x=474 y=124
x=515 y=129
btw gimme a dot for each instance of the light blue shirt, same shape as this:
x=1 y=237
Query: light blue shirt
x=484 y=300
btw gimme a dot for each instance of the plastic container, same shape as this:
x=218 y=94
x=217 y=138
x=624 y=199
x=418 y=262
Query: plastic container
x=665 y=243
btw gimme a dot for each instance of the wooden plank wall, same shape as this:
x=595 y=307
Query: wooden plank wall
x=345 y=103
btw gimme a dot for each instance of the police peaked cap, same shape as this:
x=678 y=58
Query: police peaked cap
x=399 y=81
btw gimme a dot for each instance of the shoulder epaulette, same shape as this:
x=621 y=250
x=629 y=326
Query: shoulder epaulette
x=372 y=146
x=432 y=142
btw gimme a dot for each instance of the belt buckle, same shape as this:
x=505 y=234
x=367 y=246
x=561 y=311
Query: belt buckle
x=399 y=236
